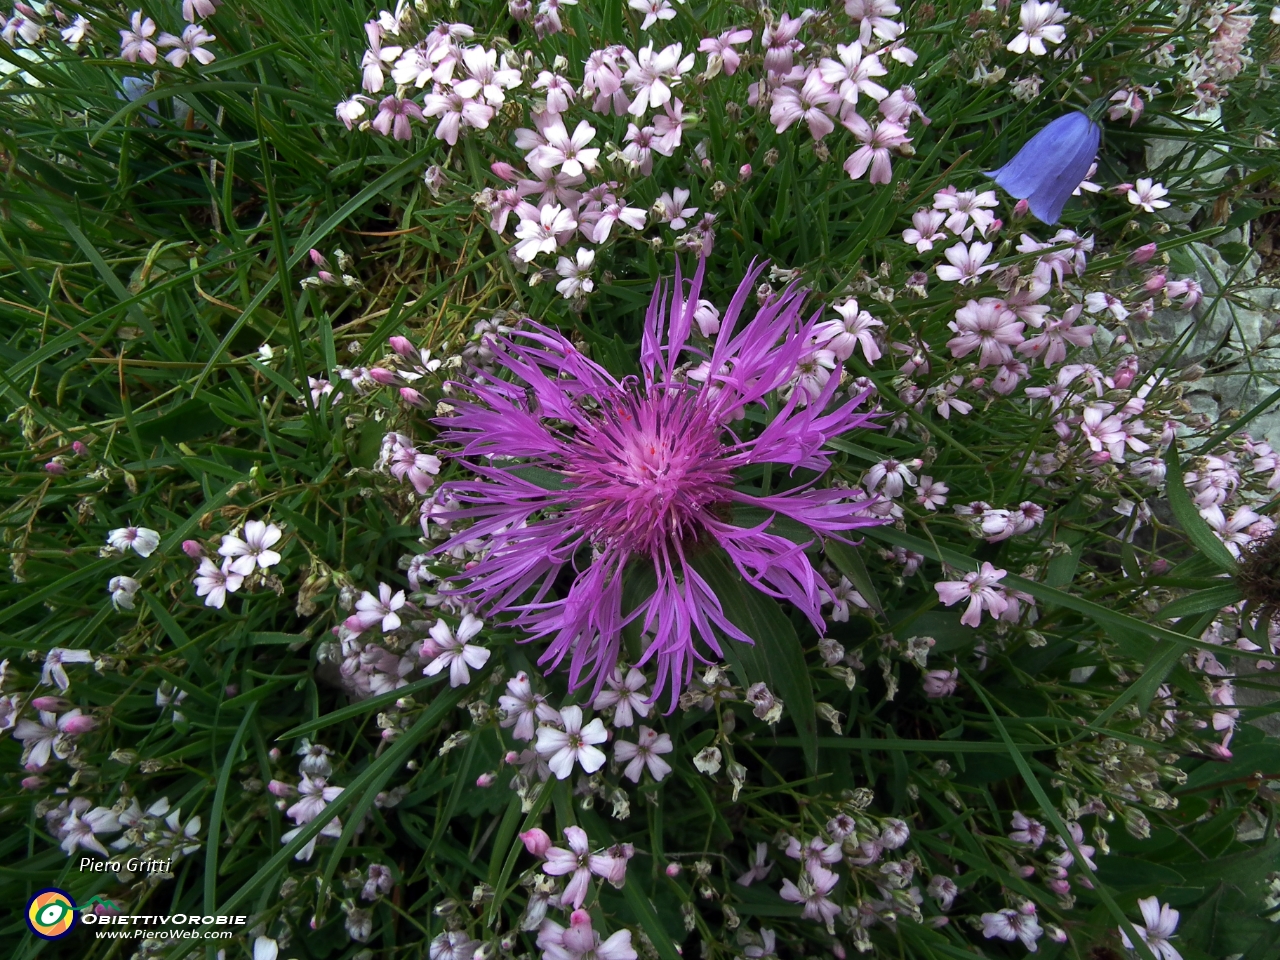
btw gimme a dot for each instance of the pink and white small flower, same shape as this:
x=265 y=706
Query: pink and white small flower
x=1162 y=921
x=924 y=230
x=853 y=329
x=814 y=103
x=980 y=589
x=393 y=118
x=986 y=325
x=1028 y=831
x=189 y=45
x=646 y=753
x=653 y=10
x=625 y=695
x=874 y=152
x=140 y=540
x=721 y=52
x=52 y=673
x=576 y=273
x=1039 y=25
x=1014 y=924
x=932 y=494
x=456 y=651
x=539 y=235
x=382 y=609
x=136 y=41
x=812 y=892
x=1146 y=194
x=79 y=832
x=940 y=683
x=254 y=551
x=214 y=583
x=578 y=862
x=852 y=73
x=965 y=264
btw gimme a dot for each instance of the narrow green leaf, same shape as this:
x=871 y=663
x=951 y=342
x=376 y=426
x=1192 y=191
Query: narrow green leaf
x=1202 y=601
x=1193 y=525
x=643 y=911
x=849 y=562
x=212 y=846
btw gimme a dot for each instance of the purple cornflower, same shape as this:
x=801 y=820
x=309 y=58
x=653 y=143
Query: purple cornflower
x=1051 y=164
x=599 y=474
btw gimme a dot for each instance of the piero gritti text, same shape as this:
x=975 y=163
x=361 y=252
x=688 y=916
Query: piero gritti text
x=132 y=865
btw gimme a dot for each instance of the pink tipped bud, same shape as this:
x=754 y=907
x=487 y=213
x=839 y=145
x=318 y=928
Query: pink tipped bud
x=1155 y=282
x=1159 y=566
x=1021 y=209
x=33 y=783
x=744 y=172
x=53 y=704
x=536 y=841
x=673 y=869
x=504 y=171
x=54 y=468
x=429 y=650
x=389 y=735
x=278 y=788
x=78 y=725
x=486 y=780
x=80 y=449
x=274 y=754
x=1062 y=429
x=402 y=346
x=1059 y=887
x=382 y=376
x=353 y=625
x=977 y=383
x=193 y=549
x=24 y=9
x=318 y=258
x=413 y=398
x=1143 y=254
x=838 y=951
x=938 y=922
x=511 y=758
x=232 y=689
x=326 y=277
x=996 y=226
x=1125 y=373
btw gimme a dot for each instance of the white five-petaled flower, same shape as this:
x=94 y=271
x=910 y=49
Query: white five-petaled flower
x=653 y=10
x=456 y=652
x=136 y=41
x=574 y=744
x=189 y=45
x=645 y=753
x=140 y=540
x=214 y=583
x=78 y=831
x=567 y=151
x=255 y=549
x=1013 y=925
x=1039 y=24
x=537 y=230
x=1162 y=920
x=579 y=862
x=1146 y=194
x=521 y=707
x=624 y=694
x=52 y=673
x=577 y=274
x=380 y=609
x=122 y=591
x=965 y=264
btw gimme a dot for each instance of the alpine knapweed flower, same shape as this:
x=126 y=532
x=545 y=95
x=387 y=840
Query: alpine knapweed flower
x=611 y=478
x=1051 y=164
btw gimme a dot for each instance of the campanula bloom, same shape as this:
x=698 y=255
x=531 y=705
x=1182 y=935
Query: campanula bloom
x=605 y=478
x=1051 y=164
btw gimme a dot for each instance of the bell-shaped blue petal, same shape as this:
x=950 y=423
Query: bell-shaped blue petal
x=1051 y=165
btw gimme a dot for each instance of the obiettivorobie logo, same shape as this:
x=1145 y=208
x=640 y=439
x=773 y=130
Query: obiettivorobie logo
x=51 y=913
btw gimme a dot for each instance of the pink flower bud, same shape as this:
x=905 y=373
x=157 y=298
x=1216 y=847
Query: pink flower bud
x=232 y=689
x=54 y=468
x=511 y=758
x=938 y=922
x=1120 y=189
x=838 y=951
x=274 y=754
x=429 y=650
x=80 y=449
x=388 y=735
x=1062 y=429
x=504 y=171
x=673 y=869
x=1021 y=209
x=485 y=780
x=318 y=258
x=1155 y=282
x=402 y=346
x=977 y=383
x=1143 y=254
x=996 y=226
x=412 y=397
x=1059 y=887
x=78 y=725
x=536 y=841
x=33 y=783
x=744 y=172
x=53 y=704
x=1125 y=373
x=278 y=788
x=193 y=549
x=382 y=376
x=1158 y=567
x=326 y=277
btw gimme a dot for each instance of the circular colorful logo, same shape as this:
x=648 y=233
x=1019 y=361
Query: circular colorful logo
x=51 y=914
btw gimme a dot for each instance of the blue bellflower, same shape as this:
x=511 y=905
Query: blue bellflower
x=1051 y=165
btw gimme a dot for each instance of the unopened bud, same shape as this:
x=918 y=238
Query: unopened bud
x=1143 y=254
